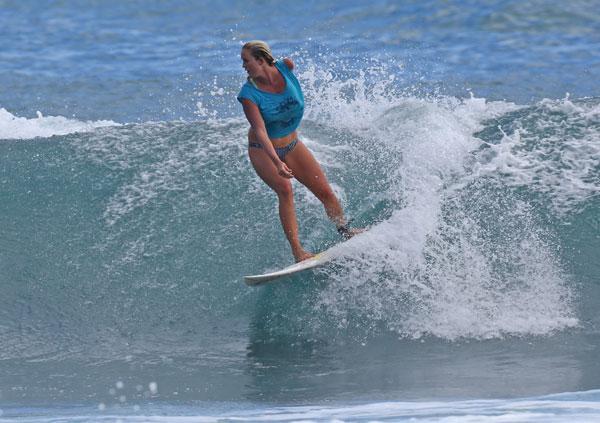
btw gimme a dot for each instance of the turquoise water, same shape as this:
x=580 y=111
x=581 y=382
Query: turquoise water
x=467 y=139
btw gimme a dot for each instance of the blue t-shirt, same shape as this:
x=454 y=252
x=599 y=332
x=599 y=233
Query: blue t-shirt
x=282 y=112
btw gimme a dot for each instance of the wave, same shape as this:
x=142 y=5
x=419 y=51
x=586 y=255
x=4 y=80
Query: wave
x=164 y=219
x=552 y=148
x=14 y=127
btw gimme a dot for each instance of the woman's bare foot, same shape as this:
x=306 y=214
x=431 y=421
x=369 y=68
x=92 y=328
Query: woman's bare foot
x=302 y=255
x=348 y=233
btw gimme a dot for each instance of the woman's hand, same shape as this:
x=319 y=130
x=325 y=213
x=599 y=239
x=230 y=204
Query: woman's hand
x=284 y=170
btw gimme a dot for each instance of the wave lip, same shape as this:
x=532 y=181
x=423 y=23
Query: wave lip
x=14 y=127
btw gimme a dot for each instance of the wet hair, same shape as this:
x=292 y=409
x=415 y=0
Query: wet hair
x=260 y=50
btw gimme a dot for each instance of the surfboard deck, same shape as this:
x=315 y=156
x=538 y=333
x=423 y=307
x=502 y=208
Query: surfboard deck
x=318 y=260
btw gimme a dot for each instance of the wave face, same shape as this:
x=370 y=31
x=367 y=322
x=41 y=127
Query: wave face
x=123 y=243
x=148 y=228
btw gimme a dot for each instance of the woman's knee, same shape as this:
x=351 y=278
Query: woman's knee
x=284 y=189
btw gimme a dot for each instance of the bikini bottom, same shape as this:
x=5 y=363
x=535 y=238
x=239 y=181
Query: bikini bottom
x=281 y=151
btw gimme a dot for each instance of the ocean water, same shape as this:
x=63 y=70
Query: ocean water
x=465 y=134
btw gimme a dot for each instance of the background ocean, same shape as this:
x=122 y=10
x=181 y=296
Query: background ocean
x=465 y=133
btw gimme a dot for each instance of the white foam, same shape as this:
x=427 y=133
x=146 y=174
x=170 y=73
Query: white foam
x=559 y=156
x=161 y=168
x=558 y=408
x=430 y=268
x=14 y=127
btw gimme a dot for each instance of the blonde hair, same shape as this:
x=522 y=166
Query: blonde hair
x=260 y=50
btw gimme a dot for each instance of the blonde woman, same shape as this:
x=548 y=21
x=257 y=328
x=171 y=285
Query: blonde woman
x=274 y=104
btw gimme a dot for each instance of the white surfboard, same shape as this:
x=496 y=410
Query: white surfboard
x=318 y=260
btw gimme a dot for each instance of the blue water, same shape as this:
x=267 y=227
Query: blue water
x=466 y=135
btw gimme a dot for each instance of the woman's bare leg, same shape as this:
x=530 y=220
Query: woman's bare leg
x=308 y=171
x=267 y=171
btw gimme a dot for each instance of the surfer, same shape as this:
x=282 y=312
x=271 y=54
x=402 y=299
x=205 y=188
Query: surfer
x=274 y=104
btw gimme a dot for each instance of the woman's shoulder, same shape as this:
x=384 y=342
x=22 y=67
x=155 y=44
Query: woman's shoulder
x=250 y=92
x=288 y=62
x=249 y=85
x=285 y=65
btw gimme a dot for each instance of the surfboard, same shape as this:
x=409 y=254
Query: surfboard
x=318 y=260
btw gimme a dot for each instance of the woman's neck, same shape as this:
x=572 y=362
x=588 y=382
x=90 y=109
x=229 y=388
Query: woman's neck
x=268 y=78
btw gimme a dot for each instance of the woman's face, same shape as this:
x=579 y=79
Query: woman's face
x=251 y=64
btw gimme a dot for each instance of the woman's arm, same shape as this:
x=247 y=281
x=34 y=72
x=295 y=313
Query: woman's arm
x=258 y=126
